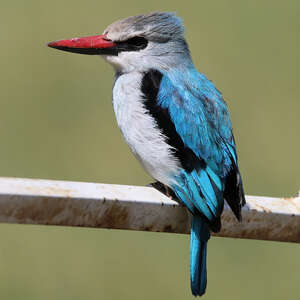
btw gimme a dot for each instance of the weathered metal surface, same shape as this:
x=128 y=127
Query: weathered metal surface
x=264 y=218
x=32 y=201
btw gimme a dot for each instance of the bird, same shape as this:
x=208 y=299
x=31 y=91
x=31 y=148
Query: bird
x=174 y=120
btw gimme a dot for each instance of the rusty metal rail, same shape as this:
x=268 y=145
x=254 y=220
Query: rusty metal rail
x=47 y=202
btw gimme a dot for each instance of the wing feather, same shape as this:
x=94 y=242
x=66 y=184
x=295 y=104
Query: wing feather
x=201 y=119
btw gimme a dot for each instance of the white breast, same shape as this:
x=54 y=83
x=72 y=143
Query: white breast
x=140 y=131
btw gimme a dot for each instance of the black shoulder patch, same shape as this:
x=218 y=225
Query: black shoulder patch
x=150 y=88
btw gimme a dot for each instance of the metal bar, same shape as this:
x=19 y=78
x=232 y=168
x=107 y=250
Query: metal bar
x=63 y=203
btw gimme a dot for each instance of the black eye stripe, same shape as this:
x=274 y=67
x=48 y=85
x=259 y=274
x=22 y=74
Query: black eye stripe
x=137 y=41
x=134 y=44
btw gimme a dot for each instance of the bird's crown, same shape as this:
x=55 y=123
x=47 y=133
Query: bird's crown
x=155 y=26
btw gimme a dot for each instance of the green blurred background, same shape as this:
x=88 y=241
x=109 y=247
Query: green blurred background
x=57 y=122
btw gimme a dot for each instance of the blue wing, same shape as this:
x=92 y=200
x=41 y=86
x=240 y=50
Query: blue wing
x=193 y=117
x=201 y=120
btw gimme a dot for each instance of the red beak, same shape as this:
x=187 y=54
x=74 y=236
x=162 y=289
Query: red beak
x=92 y=45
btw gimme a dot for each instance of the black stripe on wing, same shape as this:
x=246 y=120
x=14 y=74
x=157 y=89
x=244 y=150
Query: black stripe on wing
x=189 y=161
x=150 y=88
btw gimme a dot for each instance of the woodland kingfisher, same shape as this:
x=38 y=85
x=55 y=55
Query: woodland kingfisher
x=174 y=120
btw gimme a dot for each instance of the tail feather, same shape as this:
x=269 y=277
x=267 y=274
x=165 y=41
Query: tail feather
x=199 y=237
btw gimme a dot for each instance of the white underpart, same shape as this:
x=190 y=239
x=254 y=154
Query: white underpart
x=140 y=130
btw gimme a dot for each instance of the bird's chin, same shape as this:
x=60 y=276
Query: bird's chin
x=114 y=61
x=120 y=64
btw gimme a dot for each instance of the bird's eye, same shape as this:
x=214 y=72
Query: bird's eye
x=134 y=44
x=138 y=41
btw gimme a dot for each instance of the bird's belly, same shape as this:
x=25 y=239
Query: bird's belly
x=140 y=131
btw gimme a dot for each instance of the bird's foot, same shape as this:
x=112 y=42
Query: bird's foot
x=164 y=189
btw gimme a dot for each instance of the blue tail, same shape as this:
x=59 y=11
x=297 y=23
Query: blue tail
x=199 y=237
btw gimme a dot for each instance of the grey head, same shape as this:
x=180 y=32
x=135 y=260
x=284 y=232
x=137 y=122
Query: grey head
x=154 y=40
x=138 y=43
